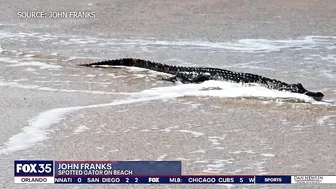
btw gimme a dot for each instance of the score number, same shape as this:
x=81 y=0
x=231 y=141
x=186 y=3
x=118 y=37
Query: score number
x=135 y=180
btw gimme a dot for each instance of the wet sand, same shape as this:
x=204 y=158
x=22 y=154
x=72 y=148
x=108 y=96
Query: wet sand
x=210 y=135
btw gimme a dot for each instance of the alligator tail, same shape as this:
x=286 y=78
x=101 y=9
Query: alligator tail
x=131 y=62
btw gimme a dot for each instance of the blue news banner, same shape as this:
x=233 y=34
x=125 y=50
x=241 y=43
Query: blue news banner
x=125 y=172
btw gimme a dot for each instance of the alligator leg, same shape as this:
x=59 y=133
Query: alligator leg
x=171 y=79
x=180 y=77
x=184 y=79
x=200 y=78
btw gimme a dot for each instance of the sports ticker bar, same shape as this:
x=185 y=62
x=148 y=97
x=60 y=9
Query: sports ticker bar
x=138 y=172
x=160 y=180
x=196 y=179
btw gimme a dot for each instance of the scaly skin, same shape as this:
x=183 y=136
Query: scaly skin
x=200 y=74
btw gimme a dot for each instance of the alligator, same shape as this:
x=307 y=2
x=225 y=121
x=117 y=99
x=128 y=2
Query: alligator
x=201 y=74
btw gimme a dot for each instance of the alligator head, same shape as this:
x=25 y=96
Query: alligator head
x=315 y=95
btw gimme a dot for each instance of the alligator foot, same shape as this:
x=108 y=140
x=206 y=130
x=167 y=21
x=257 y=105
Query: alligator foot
x=170 y=79
x=184 y=79
x=200 y=79
x=181 y=78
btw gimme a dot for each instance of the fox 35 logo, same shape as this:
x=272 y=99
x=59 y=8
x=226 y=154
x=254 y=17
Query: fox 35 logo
x=33 y=168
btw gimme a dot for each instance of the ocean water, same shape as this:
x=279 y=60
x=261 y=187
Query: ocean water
x=310 y=60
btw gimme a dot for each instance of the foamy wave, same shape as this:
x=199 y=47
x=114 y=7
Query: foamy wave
x=222 y=89
x=37 y=129
x=243 y=45
x=208 y=88
x=15 y=84
x=38 y=64
x=323 y=120
x=17 y=63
